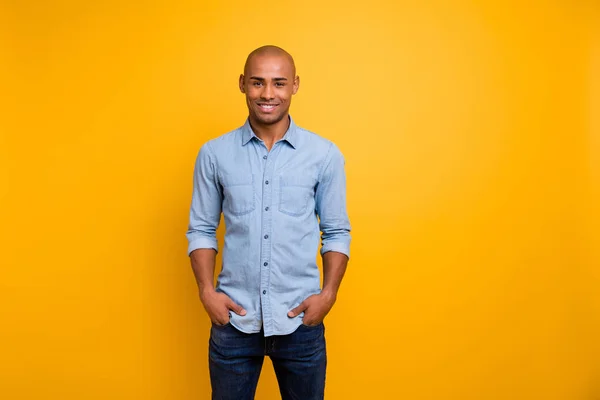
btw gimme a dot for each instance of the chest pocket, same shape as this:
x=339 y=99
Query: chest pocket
x=295 y=194
x=238 y=194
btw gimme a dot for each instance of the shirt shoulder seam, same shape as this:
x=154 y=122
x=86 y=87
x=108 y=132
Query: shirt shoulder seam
x=325 y=162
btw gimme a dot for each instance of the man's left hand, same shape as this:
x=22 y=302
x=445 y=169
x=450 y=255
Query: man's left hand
x=315 y=308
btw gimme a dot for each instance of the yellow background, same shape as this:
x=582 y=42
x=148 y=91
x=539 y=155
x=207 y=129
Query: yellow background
x=471 y=134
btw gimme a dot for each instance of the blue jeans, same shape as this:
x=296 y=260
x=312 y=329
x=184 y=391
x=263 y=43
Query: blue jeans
x=236 y=359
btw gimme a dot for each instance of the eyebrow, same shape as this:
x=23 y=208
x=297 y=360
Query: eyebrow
x=258 y=78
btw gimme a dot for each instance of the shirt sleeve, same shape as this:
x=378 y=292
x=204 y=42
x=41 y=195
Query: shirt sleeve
x=205 y=210
x=330 y=198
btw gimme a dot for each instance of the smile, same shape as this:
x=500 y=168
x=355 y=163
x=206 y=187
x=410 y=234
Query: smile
x=267 y=107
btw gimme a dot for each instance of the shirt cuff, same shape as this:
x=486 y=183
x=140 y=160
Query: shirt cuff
x=203 y=242
x=338 y=247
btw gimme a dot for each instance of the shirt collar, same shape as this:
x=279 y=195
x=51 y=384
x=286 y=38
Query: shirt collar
x=290 y=135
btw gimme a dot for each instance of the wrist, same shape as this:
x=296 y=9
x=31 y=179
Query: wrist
x=329 y=295
x=206 y=290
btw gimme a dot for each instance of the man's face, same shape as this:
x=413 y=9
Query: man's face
x=269 y=83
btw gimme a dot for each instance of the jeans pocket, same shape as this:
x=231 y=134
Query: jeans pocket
x=221 y=326
x=312 y=326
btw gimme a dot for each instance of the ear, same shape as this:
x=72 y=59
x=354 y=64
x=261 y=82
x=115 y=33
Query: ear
x=296 y=84
x=241 y=83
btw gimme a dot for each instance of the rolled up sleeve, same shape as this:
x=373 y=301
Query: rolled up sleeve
x=330 y=198
x=205 y=209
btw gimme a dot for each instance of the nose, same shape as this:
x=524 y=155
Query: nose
x=267 y=93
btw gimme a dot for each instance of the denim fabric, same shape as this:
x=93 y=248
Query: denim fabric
x=275 y=205
x=236 y=359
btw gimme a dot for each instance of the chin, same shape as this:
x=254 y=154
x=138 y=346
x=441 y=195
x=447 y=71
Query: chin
x=268 y=119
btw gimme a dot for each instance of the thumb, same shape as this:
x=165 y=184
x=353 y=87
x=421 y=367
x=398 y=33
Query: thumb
x=236 y=308
x=297 y=310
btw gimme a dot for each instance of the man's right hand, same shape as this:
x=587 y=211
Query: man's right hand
x=218 y=304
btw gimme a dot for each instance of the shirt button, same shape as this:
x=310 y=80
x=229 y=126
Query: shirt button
x=266 y=182
x=266 y=236
x=264 y=157
x=266 y=208
x=265 y=264
x=264 y=292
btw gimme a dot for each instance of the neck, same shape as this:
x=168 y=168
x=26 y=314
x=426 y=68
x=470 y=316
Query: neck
x=270 y=134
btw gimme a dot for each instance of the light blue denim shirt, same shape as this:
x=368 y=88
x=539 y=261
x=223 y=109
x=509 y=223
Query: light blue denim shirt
x=275 y=205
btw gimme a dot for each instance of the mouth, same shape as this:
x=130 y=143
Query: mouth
x=267 y=108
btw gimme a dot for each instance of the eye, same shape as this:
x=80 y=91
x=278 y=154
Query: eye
x=279 y=84
x=257 y=83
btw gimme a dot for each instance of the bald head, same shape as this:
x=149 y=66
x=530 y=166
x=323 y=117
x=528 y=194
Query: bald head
x=269 y=81
x=269 y=51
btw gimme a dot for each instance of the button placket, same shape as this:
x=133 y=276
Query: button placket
x=266 y=228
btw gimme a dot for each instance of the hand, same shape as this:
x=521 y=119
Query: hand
x=315 y=308
x=218 y=304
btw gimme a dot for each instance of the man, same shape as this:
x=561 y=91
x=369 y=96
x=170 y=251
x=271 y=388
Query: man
x=278 y=186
